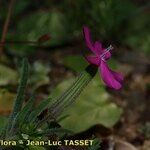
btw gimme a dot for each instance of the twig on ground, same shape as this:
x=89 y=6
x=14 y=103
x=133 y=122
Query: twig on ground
x=6 y=24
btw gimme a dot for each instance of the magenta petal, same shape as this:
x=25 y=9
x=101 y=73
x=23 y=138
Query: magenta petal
x=107 y=55
x=98 y=48
x=93 y=60
x=87 y=36
x=88 y=40
x=118 y=76
x=108 y=76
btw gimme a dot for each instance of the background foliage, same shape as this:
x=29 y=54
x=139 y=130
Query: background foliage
x=49 y=33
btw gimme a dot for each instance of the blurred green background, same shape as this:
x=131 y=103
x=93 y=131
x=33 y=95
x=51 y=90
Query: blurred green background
x=55 y=62
x=122 y=22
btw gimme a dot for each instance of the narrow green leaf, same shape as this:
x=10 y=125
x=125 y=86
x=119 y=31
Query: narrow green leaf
x=57 y=131
x=22 y=115
x=40 y=108
x=26 y=110
x=20 y=93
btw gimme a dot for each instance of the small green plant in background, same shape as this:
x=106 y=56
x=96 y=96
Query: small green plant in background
x=145 y=130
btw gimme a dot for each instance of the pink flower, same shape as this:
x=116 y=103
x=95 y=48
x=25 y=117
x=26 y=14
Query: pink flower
x=99 y=58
